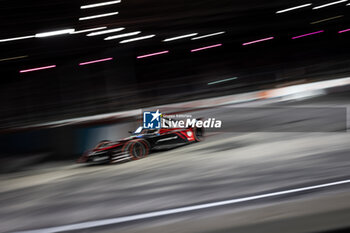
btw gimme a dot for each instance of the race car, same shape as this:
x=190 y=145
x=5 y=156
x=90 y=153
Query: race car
x=140 y=144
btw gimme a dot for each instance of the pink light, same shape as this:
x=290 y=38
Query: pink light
x=257 y=41
x=346 y=30
x=207 y=47
x=39 y=68
x=152 y=54
x=308 y=34
x=95 y=61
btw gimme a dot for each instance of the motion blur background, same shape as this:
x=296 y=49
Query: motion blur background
x=70 y=90
x=64 y=91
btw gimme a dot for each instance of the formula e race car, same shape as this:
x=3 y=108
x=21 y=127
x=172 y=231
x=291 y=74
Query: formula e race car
x=140 y=144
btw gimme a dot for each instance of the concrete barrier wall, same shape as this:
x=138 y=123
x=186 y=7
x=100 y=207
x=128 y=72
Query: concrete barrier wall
x=68 y=139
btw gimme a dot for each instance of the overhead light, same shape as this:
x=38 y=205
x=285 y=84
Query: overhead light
x=294 y=8
x=98 y=16
x=54 y=33
x=221 y=81
x=122 y=35
x=207 y=47
x=105 y=32
x=324 y=20
x=257 y=41
x=329 y=4
x=208 y=35
x=345 y=30
x=180 y=37
x=13 y=58
x=100 y=4
x=136 y=39
x=16 y=38
x=152 y=54
x=95 y=61
x=39 y=68
x=89 y=30
x=308 y=34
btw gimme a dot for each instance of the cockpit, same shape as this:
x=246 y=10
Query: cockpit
x=141 y=130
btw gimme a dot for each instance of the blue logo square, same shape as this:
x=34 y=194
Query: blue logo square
x=151 y=120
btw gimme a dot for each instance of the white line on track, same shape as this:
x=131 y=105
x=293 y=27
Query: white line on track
x=104 y=222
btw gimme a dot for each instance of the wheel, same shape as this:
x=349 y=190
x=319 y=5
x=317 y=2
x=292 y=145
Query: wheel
x=137 y=149
x=198 y=134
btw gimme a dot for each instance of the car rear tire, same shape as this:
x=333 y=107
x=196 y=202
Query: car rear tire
x=137 y=149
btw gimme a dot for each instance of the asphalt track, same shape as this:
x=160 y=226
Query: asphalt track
x=271 y=178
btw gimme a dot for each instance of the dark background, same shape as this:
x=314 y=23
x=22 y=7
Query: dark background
x=126 y=82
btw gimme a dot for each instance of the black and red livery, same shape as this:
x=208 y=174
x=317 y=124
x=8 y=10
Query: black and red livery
x=140 y=144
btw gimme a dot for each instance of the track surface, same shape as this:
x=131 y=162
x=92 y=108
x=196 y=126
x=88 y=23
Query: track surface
x=225 y=166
